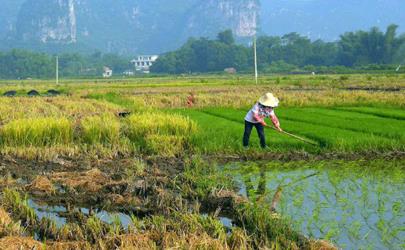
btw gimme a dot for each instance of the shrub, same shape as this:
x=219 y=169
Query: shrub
x=344 y=78
x=103 y=129
x=37 y=132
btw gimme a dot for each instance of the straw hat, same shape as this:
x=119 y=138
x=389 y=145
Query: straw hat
x=269 y=100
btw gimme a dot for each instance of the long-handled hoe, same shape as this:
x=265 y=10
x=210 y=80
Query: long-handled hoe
x=294 y=136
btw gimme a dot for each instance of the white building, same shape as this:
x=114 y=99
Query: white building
x=107 y=72
x=144 y=62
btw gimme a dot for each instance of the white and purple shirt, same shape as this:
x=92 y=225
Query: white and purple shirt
x=259 y=112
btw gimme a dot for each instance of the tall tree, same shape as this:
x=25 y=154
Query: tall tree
x=226 y=37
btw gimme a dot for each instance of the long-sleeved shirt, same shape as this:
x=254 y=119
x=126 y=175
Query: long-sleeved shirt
x=257 y=114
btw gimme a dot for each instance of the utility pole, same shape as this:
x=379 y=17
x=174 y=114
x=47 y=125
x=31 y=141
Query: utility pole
x=57 y=70
x=255 y=57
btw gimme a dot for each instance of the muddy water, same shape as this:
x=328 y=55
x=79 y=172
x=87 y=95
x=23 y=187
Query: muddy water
x=356 y=205
x=58 y=213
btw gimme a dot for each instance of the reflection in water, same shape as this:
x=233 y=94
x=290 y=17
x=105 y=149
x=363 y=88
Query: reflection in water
x=256 y=193
x=356 y=205
x=54 y=213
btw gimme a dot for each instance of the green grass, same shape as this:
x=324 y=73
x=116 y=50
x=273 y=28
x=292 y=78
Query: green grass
x=384 y=127
x=393 y=113
x=334 y=130
x=217 y=134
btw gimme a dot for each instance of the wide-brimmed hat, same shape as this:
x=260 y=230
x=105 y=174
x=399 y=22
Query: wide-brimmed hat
x=269 y=100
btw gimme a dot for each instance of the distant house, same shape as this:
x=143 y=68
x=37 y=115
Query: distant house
x=107 y=72
x=143 y=63
x=230 y=70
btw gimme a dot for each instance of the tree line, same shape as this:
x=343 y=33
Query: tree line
x=22 y=64
x=286 y=53
x=373 y=49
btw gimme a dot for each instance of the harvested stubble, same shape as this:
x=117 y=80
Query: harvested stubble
x=41 y=185
x=91 y=181
x=7 y=226
x=48 y=153
x=13 y=243
x=236 y=98
x=4 y=217
x=74 y=108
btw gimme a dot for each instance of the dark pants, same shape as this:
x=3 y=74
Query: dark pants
x=248 y=130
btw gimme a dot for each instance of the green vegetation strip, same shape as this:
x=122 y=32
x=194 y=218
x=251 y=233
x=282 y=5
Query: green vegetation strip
x=394 y=113
x=341 y=131
x=216 y=135
x=383 y=127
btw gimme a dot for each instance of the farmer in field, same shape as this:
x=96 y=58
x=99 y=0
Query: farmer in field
x=255 y=118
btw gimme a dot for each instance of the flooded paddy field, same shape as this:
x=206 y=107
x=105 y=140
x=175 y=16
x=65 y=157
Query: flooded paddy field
x=356 y=205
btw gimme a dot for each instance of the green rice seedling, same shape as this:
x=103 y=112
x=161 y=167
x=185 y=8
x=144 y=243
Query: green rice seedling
x=135 y=168
x=157 y=223
x=37 y=132
x=104 y=129
x=115 y=227
x=137 y=225
x=113 y=97
x=344 y=139
x=266 y=230
x=213 y=227
x=70 y=232
x=222 y=129
x=201 y=179
x=347 y=120
x=95 y=228
x=239 y=239
x=237 y=116
x=344 y=199
x=19 y=208
x=47 y=229
x=393 y=113
x=197 y=223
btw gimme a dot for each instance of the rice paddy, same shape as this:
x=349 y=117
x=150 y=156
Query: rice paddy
x=139 y=164
x=358 y=205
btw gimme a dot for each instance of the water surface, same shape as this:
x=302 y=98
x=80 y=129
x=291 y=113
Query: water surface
x=356 y=205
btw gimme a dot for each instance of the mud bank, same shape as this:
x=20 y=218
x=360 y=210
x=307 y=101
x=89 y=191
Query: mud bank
x=136 y=203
